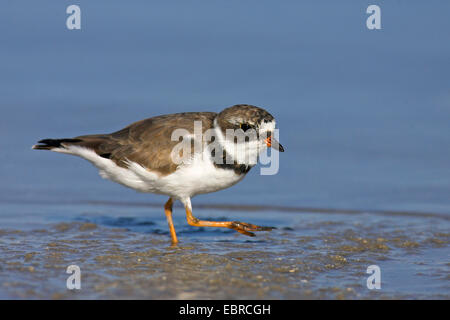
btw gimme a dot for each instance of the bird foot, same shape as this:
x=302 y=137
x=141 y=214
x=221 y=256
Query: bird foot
x=246 y=228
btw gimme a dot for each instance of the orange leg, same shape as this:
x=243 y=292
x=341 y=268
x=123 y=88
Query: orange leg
x=168 y=210
x=242 y=227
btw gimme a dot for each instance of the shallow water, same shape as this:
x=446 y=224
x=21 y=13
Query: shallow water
x=363 y=116
x=126 y=253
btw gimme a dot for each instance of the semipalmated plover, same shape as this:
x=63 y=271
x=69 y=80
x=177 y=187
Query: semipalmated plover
x=146 y=157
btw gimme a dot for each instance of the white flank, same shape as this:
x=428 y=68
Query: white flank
x=197 y=176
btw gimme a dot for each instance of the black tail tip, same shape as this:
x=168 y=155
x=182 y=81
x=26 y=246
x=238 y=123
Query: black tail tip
x=48 y=144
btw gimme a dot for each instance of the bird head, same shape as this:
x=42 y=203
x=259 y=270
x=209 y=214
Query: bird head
x=245 y=131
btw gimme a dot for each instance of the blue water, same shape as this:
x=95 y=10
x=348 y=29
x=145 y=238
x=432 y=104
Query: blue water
x=363 y=115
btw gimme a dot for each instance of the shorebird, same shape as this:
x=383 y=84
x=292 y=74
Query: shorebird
x=141 y=156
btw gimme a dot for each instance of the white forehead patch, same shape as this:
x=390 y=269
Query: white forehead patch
x=267 y=126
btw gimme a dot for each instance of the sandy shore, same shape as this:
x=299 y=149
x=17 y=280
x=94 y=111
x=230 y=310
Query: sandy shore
x=309 y=256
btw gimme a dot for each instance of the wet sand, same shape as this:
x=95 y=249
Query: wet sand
x=309 y=256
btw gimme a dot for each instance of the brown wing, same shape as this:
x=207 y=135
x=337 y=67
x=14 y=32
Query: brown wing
x=147 y=142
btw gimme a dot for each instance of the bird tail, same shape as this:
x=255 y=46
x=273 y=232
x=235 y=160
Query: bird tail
x=49 y=144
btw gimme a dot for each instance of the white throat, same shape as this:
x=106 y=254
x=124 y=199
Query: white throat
x=243 y=152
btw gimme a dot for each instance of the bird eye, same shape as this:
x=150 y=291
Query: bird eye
x=245 y=126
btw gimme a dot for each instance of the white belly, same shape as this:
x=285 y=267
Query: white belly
x=199 y=177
